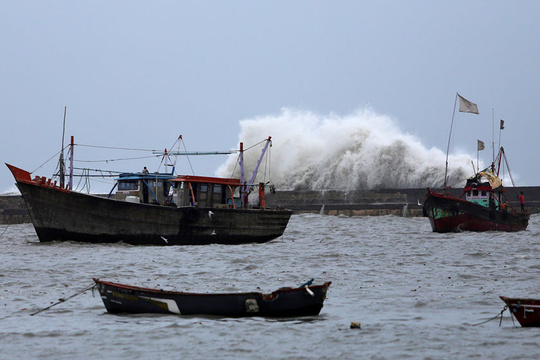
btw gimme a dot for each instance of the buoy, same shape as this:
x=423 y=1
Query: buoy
x=355 y=325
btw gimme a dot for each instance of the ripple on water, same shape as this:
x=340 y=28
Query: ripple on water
x=415 y=293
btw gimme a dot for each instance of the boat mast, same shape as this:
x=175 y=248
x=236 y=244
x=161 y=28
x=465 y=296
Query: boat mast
x=61 y=163
x=464 y=106
x=72 y=146
x=493 y=135
x=448 y=147
x=242 y=186
x=268 y=142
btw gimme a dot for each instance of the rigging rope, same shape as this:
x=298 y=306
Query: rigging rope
x=119 y=159
x=46 y=161
x=115 y=148
x=187 y=156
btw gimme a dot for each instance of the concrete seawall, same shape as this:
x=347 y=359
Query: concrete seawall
x=13 y=210
x=399 y=202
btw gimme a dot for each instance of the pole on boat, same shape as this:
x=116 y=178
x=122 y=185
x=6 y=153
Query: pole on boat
x=61 y=165
x=464 y=106
x=268 y=142
x=493 y=133
x=72 y=146
x=242 y=186
x=448 y=147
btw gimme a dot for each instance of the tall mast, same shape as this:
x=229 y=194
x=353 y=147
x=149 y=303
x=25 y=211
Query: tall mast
x=61 y=164
x=448 y=147
x=493 y=133
x=70 y=184
x=464 y=106
x=241 y=161
x=268 y=142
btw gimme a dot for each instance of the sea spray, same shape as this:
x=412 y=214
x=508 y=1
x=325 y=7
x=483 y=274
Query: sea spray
x=363 y=150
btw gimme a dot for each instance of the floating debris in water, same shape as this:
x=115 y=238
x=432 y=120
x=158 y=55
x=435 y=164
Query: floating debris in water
x=356 y=325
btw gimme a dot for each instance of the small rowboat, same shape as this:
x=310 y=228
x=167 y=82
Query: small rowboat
x=526 y=311
x=306 y=300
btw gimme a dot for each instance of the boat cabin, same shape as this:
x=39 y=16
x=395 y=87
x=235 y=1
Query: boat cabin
x=480 y=193
x=190 y=190
x=144 y=188
x=186 y=190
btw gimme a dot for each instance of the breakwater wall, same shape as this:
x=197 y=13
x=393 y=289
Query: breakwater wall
x=399 y=202
x=13 y=210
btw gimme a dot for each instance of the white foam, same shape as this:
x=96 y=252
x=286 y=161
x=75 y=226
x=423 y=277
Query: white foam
x=363 y=150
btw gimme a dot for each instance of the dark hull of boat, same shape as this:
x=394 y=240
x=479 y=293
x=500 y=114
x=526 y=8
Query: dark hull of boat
x=287 y=302
x=447 y=213
x=59 y=214
x=526 y=311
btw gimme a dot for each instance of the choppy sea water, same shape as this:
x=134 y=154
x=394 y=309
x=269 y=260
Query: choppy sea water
x=417 y=294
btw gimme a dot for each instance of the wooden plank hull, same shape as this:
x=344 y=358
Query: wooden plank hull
x=448 y=213
x=60 y=214
x=526 y=311
x=286 y=302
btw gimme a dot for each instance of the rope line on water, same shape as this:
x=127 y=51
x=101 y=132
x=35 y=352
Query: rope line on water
x=3 y=232
x=495 y=317
x=64 y=300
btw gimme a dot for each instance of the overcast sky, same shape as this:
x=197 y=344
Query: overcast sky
x=140 y=73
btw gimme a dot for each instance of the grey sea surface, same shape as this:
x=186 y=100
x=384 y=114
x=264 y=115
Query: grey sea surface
x=417 y=294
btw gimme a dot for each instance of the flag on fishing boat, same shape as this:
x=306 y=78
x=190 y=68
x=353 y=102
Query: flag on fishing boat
x=493 y=179
x=467 y=106
x=480 y=145
x=502 y=124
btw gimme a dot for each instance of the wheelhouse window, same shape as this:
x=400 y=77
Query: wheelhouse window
x=152 y=183
x=128 y=185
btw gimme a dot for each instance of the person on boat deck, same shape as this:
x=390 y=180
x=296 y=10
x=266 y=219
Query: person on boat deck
x=522 y=201
x=145 y=170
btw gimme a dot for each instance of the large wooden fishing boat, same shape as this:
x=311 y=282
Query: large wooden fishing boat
x=152 y=209
x=306 y=300
x=482 y=205
x=525 y=310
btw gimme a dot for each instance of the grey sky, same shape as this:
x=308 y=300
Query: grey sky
x=140 y=73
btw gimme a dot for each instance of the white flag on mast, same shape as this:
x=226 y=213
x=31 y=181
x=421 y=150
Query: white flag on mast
x=481 y=145
x=466 y=106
